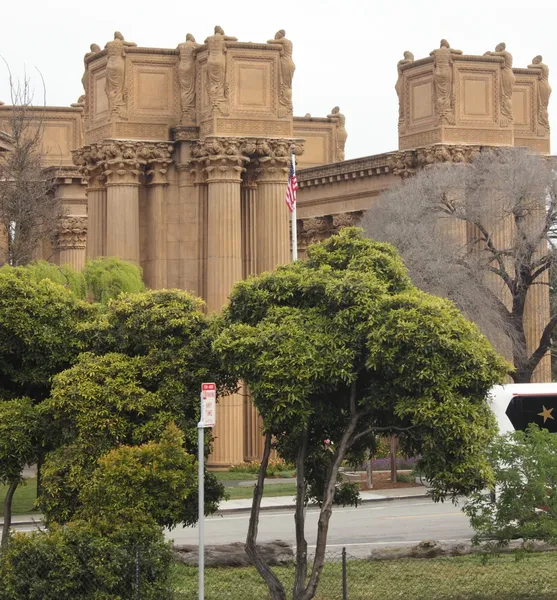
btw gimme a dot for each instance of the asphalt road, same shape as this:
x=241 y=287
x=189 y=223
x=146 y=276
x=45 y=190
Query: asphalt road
x=359 y=529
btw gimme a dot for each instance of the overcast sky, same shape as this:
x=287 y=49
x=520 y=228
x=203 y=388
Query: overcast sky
x=345 y=52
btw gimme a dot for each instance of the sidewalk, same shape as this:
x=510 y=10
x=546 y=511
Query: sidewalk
x=272 y=503
x=282 y=502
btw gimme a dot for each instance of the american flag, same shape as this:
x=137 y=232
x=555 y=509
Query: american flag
x=292 y=187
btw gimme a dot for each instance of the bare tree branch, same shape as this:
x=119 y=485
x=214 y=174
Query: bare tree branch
x=481 y=235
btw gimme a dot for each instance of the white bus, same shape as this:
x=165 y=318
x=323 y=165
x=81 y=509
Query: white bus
x=517 y=404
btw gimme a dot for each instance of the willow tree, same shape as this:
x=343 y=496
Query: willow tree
x=342 y=347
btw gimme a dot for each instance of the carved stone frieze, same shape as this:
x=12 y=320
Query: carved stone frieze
x=182 y=133
x=318 y=229
x=72 y=232
x=407 y=162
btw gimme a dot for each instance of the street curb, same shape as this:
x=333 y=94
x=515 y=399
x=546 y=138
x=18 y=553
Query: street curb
x=264 y=508
x=285 y=506
x=22 y=523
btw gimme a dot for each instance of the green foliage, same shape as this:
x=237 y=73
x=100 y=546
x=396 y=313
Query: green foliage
x=108 y=277
x=153 y=479
x=150 y=352
x=19 y=437
x=525 y=478
x=39 y=323
x=348 y=319
x=61 y=274
x=87 y=561
x=276 y=468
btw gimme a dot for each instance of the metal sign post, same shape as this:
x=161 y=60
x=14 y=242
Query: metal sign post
x=207 y=419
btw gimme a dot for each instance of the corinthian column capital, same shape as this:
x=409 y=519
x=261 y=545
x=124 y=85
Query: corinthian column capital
x=72 y=233
x=222 y=159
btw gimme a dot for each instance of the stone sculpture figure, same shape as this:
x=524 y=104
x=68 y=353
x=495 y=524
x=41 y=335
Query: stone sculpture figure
x=85 y=79
x=544 y=91
x=507 y=82
x=216 y=68
x=443 y=80
x=115 y=73
x=186 y=75
x=341 y=132
x=287 y=68
x=408 y=58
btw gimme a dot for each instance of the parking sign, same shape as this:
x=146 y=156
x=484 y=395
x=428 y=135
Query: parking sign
x=208 y=404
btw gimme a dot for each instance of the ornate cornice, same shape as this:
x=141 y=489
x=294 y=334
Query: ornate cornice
x=407 y=162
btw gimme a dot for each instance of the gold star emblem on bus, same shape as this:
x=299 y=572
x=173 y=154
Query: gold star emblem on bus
x=546 y=413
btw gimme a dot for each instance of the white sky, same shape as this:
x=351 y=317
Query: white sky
x=345 y=52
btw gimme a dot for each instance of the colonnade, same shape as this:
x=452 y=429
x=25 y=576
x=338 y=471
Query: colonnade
x=198 y=215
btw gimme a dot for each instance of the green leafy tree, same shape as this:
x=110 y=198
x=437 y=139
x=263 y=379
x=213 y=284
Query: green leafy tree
x=108 y=277
x=149 y=354
x=39 y=323
x=340 y=348
x=19 y=444
x=62 y=274
x=525 y=477
x=154 y=479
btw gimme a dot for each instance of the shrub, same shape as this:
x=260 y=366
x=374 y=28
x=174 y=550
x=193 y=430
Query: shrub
x=107 y=277
x=87 y=561
x=276 y=468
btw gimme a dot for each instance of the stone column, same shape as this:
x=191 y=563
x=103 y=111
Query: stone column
x=155 y=264
x=96 y=212
x=224 y=224
x=272 y=216
x=122 y=211
x=224 y=165
x=71 y=241
x=249 y=237
x=253 y=440
x=68 y=246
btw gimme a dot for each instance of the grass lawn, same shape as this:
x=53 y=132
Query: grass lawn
x=462 y=578
x=24 y=498
x=234 y=476
x=277 y=489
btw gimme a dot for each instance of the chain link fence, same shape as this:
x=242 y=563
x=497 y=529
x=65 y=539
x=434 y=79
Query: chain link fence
x=509 y=576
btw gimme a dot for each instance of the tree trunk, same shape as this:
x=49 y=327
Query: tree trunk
x=369 y=473
x=327 y=507
x=276 y=588
x=299 y=519
x=8 y=515
x=393 y=442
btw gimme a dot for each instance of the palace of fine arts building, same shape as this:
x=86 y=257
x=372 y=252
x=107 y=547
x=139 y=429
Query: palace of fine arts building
x=177 y=159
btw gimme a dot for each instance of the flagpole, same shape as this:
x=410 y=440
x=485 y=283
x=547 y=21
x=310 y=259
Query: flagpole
x=294 y=222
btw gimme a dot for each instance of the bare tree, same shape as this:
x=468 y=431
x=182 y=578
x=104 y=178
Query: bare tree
x=480 y=234
x=30 y=212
